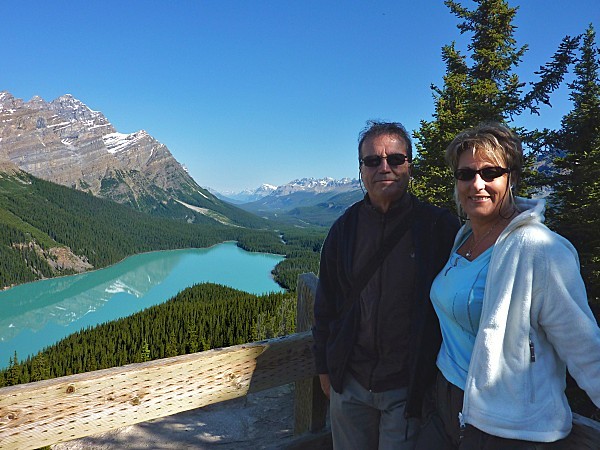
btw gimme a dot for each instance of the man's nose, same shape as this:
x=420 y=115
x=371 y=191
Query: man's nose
x=383 y=165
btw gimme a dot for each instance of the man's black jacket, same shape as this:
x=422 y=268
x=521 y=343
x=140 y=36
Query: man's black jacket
x=335 y=332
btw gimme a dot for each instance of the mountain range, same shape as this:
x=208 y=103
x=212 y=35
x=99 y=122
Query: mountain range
x=302 y=201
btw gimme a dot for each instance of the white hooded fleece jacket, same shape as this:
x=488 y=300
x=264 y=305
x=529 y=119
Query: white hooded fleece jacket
x=535 y=322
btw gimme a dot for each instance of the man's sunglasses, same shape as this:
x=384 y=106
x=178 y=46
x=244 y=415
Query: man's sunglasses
x=395 y=159
x=487 y=173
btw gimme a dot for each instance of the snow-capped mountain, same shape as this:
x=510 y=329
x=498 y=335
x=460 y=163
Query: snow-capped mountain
x=66 y=142
x=308 y=185
x=316 y=186
x=245 y=196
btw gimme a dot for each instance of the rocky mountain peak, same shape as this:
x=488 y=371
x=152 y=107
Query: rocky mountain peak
x=72 y=109
x=66 y=142
x=8 y=103
x=36 y=102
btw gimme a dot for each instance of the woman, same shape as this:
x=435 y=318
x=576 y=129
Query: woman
x=513 y=311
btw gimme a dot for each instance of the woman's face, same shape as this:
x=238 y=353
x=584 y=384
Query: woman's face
x=482 y=200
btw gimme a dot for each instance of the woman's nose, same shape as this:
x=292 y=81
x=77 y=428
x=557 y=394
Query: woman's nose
x=478 y=181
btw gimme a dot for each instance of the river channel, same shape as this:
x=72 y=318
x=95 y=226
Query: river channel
x=36 y=315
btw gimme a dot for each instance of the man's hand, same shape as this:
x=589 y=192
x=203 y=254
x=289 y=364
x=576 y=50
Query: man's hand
x=325 y=385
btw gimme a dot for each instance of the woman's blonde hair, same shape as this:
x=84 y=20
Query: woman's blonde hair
x=491 y=142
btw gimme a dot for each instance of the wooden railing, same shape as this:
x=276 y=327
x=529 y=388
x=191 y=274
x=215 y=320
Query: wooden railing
x=52 y=411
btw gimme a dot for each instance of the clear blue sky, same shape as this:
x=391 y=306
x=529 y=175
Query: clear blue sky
x=250 y=92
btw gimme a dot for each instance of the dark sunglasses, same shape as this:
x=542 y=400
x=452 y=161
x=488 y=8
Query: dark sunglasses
x=395 y=159
x=487 y=173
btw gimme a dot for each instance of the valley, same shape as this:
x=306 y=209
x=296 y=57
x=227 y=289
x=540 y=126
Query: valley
x=77 y=196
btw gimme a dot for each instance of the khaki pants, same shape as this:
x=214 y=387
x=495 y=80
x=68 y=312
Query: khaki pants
x=365 y=420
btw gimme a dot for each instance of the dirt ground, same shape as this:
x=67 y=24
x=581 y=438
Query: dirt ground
x=264 y=420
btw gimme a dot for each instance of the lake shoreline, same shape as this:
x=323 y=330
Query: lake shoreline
x=95 y=269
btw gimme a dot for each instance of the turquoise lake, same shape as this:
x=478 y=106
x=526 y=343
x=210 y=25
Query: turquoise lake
x=36 y=315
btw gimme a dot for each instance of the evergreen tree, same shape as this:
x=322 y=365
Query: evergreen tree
x=171 y=347
x=576 y=185
x=193 y=344
x=40 y=369
x=485 y=90
x=14 y=371
x=433 y=180
x=145 y=354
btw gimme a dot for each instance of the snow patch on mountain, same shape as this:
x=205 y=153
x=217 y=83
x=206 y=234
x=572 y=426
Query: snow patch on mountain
x=118 y=142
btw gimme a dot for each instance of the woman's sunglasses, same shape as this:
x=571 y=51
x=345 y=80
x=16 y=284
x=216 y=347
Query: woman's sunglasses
x=487 y=173
x=395 y=159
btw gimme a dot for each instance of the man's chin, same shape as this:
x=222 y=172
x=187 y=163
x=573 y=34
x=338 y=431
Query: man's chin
x=392 y=191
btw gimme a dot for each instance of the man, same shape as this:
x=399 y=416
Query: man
x=376 y=334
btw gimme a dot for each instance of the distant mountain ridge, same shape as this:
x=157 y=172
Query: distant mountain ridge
x=306 y=201
x=317 y=186
x=314 y=185
x=245 y=196
x=66 y=142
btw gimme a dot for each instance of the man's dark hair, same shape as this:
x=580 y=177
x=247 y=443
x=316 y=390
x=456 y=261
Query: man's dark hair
x=376 y=128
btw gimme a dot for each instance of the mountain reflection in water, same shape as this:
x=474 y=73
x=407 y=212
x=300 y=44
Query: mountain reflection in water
x=35 y=315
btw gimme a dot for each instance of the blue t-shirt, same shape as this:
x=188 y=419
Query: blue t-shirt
x=457 y=296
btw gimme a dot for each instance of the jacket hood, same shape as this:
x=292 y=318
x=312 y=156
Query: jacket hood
x=531 y=209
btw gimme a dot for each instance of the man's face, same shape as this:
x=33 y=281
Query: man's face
x=385 y=183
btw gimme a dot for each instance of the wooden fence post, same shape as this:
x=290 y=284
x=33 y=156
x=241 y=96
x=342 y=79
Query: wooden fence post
x=310 y=405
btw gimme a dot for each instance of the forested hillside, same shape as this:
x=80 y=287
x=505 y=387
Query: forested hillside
x=199 y=318
x=38 y=217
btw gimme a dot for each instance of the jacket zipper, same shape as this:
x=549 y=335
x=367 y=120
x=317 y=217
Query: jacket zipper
x=376 y=315
x=462 y=425
x=531 y=361
x=531 y=350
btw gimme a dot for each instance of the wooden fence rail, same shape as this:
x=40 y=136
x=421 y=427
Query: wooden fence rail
x=51 y=411
x=48 y=412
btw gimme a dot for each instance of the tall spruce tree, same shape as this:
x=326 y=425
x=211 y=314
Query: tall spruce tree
x=575 y=211
x=482 y=87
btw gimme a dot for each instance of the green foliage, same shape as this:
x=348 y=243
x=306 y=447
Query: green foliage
x=13 y=268
x=575 y=211
x=303 y=255
x=199 y=318
x=485 y=90
x=102 y=231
